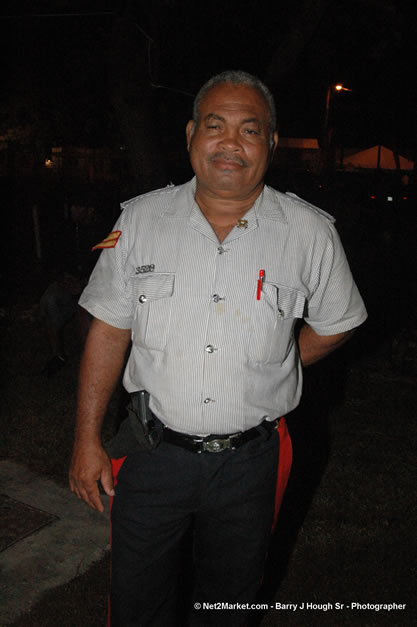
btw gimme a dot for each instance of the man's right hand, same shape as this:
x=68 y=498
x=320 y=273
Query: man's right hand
x=101 y=364
x=90 y=464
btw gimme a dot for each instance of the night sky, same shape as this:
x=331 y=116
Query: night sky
x=56 y=66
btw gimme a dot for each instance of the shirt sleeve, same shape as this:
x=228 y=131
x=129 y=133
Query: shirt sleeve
x=107 y=295
x=335 y=305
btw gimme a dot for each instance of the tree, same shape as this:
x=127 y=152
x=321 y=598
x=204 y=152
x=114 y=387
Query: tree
x=133 y=100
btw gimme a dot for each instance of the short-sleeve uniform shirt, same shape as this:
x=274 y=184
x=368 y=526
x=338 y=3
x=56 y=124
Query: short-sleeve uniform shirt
x=216 y=353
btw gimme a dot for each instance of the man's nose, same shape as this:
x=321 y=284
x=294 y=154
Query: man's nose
x=231 y=141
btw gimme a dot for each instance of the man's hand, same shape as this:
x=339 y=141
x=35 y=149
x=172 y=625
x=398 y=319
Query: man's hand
x=89 y=464
x=100 y=369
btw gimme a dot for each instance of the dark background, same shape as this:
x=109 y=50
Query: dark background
x=121 y=76
x=96 y=73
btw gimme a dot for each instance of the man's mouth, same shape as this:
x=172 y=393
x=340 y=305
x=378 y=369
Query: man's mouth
x=228 y=159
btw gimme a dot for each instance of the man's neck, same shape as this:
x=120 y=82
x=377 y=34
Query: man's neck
x=223 y=211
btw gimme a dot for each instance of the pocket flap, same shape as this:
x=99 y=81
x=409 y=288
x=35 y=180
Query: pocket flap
x=291 y=303
x=153 y=286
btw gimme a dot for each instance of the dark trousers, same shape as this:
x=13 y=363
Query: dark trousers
x=223 y=501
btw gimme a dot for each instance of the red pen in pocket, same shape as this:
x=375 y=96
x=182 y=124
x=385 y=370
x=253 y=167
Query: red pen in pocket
x=259 y=286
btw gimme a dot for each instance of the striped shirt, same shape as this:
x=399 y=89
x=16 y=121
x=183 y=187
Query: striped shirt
x=216 y=350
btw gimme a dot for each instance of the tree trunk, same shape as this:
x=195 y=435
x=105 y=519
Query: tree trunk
x=303 y=20
x=133 y=101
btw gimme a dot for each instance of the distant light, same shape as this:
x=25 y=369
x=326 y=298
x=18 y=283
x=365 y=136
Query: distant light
x=372 y=197
x=49 y=163
x=404 y=197
x=390 y=198
x=339 y=87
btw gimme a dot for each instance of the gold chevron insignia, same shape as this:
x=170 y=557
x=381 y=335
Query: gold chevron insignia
x=110 y=241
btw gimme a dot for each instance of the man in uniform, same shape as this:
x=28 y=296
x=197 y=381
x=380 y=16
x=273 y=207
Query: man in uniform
x=207 y=280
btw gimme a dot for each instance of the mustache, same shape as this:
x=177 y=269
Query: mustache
x=228 y=157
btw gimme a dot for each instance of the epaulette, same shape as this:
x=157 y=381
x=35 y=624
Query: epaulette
x=167 y=189
x=321 y=212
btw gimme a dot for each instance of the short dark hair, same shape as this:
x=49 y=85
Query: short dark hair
x=237 y=77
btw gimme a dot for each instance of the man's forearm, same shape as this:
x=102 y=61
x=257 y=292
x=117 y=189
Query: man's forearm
x=314 y=347
x=100 y=369
x=101 y=365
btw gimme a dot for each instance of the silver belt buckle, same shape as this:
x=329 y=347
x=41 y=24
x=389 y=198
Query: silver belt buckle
x=216 y=446
x=219 y=444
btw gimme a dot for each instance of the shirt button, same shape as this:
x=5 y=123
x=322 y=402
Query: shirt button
x=142 y=298
x=215 y=298
x=220 y=250
x=208 y=400
x=210 y=349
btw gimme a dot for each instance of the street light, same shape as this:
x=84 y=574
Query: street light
x=330 y=89
x=337 y=87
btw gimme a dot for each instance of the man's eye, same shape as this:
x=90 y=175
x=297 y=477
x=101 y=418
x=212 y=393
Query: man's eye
x=215 y=126
x=251 y=131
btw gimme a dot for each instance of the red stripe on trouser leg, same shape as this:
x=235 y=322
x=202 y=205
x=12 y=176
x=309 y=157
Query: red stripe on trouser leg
x=284 y=466
x=116 y=464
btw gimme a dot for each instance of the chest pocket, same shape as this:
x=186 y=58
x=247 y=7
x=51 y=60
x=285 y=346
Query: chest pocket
x=275 y=315
x=152 y=295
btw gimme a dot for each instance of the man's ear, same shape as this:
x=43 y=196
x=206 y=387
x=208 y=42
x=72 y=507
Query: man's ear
x=189 y=132
x=274 y=144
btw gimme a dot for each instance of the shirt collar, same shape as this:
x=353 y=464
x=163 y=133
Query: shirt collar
x=183 y=200
x=268 y=205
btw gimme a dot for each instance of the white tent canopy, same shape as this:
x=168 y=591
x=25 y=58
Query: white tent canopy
x=375 y=158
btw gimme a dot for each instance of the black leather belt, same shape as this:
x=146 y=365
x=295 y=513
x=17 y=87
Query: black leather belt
x=216 y=443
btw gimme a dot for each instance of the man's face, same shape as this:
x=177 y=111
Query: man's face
x=230 y=146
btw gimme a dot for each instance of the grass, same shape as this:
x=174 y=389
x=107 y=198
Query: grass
x=39 y=409
x=347 y=528
x=356 y=541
